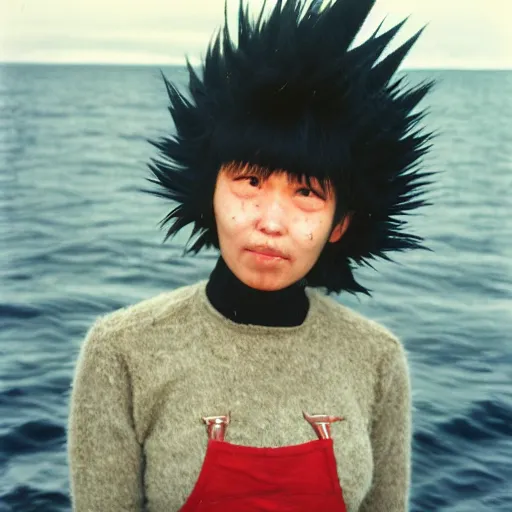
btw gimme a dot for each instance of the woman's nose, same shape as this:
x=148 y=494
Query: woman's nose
x=272 y=214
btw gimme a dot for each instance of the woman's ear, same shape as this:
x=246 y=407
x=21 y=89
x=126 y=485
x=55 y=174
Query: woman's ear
x=340 y=228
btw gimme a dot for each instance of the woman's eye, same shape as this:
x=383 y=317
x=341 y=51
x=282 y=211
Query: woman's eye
x=309 y=193
x=253 y=181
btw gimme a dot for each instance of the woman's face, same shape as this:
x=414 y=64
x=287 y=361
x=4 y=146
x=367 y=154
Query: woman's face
x=272 y=231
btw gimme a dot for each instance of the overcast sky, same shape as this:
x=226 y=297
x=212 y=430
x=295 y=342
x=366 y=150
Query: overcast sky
x=460 y=33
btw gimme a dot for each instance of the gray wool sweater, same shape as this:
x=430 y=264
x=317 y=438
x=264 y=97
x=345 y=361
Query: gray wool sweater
x=147 y=373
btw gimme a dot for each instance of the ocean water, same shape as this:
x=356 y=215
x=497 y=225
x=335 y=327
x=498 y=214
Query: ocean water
x=78 y=240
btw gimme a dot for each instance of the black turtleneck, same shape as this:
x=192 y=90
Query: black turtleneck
x=245 y=305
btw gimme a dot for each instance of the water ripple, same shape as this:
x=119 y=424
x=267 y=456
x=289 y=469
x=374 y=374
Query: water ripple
x=81 y=240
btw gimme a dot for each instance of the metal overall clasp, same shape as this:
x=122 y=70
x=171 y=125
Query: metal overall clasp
x=216 y=426
x=321 y=423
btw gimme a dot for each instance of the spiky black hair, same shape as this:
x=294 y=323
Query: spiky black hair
x=295 y=95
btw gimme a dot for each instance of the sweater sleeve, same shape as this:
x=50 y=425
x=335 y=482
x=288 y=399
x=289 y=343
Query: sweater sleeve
x=391 y=438
x=105 y=458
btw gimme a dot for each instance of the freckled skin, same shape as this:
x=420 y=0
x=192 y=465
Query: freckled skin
x=278 y=213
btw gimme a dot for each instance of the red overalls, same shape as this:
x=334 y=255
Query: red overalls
x=299 y=478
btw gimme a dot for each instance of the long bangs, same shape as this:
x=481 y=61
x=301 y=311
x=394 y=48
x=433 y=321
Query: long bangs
x=304 y=151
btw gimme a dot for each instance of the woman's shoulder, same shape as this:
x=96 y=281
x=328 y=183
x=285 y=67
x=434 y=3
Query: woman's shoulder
x=344 y=323
x=127 y=323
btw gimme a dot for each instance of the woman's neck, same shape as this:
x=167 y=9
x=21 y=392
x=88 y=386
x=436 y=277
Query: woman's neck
x=245 y=305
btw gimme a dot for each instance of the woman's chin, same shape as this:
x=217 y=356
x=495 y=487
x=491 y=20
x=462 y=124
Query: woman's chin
x=263 y=281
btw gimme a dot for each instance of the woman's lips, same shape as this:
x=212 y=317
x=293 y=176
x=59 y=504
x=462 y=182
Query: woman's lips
x=266 y=256
x=267 y=251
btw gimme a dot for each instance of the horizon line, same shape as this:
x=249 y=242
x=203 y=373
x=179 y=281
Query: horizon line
x=176 y=64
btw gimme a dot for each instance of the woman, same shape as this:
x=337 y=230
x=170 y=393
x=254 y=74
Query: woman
x=253 y=390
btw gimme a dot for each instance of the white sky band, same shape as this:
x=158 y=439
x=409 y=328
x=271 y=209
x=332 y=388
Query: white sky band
x=459 y=35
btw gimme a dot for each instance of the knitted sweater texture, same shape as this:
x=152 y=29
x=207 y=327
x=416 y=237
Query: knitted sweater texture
x=147 y=373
